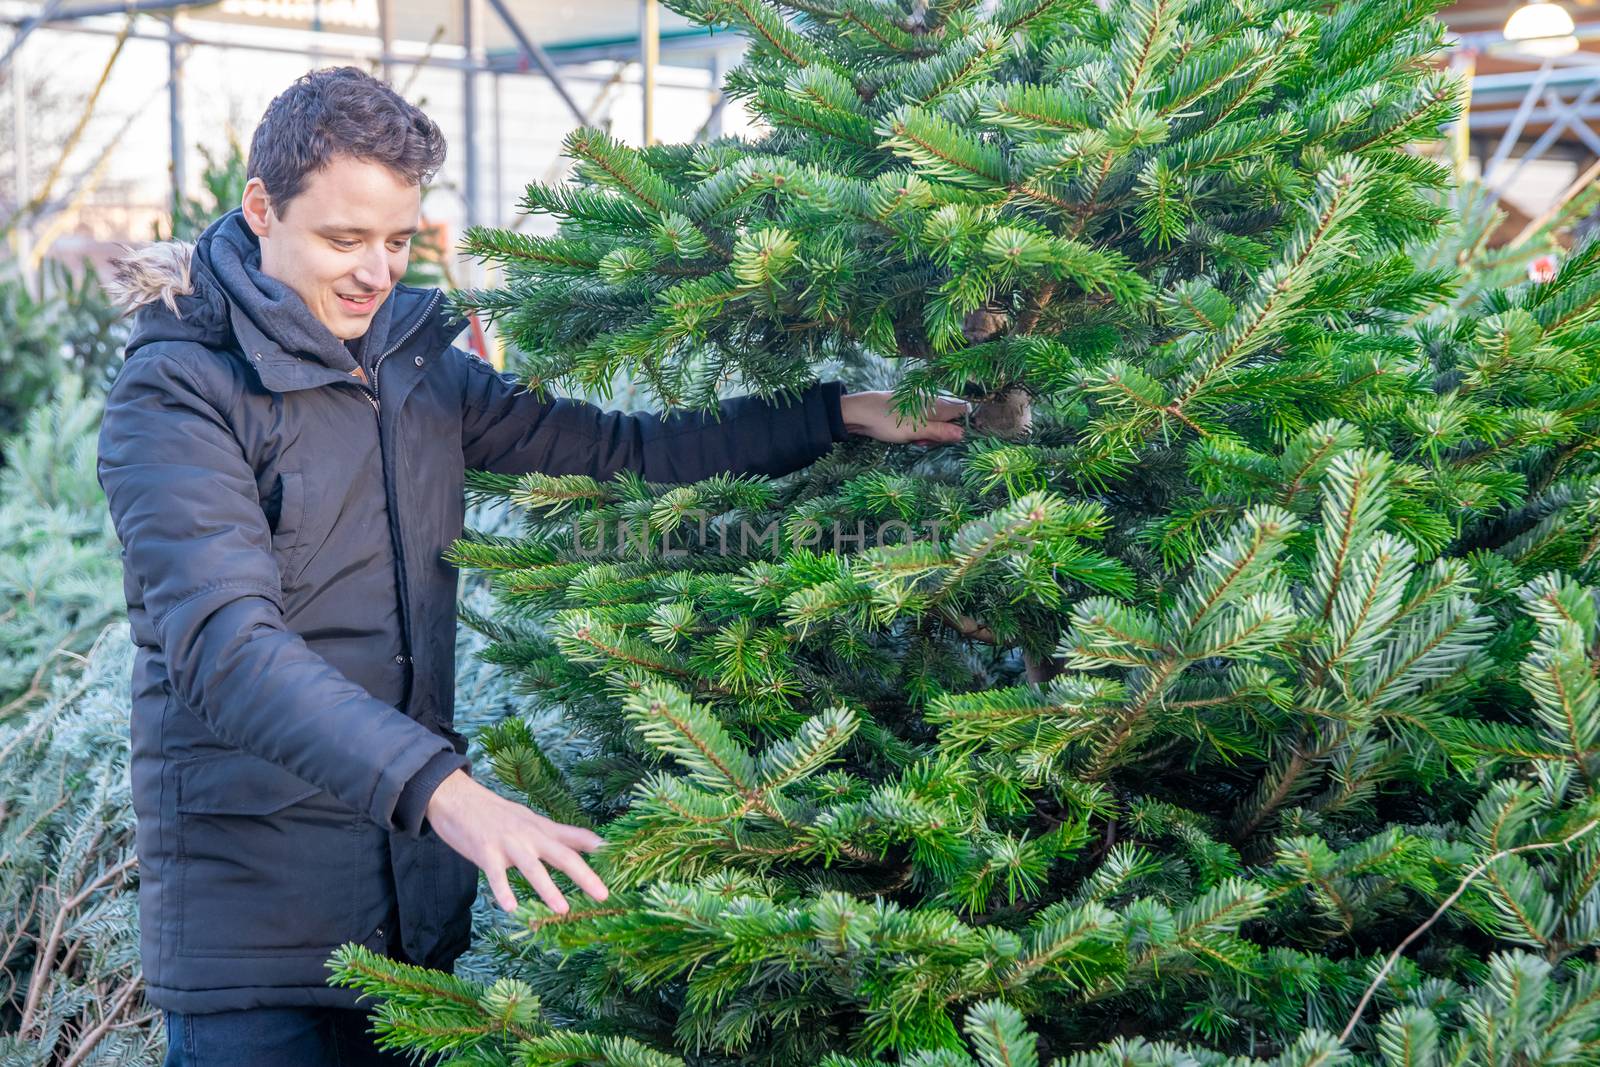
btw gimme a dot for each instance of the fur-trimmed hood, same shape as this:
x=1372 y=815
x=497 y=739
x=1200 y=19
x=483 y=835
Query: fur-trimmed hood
x=156 y=272
x=169 y=295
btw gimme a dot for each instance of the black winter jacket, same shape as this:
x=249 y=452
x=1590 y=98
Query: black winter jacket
x=282 y=527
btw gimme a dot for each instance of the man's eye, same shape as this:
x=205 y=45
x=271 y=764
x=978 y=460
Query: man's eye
x=400 y=246
x=344 y=245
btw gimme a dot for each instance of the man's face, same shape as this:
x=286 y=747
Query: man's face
x=345 y=243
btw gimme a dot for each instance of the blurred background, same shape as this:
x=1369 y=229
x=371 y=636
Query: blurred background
x=1530 y=134
x=123 y=122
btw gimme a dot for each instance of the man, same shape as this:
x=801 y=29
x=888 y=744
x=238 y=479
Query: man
x=283 y=455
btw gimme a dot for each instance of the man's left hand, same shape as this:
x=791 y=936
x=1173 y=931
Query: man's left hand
x=870 y=414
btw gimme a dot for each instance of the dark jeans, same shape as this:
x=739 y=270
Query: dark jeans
x=276 y=1037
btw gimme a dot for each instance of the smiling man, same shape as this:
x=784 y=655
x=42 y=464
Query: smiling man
x=283 y=453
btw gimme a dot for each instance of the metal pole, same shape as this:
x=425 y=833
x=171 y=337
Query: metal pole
x=363 y=55
x=499 y=154
x=1569 y=115
x=1498 y=120
x=56 y=17
x=386 y=39
x=1508 y=140
x=22 y=232
x=25 y=28
x=469 y=113
x=313 y=52
x=650 y=57
x=719 y=71
x=1464 y=64
x=540 y=58
x=175 y=134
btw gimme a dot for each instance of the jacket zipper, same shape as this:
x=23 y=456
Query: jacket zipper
x=372 y=393
x=383 y=462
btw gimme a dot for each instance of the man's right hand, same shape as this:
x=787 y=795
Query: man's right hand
x=497 y=834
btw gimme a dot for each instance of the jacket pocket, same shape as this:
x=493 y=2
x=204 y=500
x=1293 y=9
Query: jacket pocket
x=434 y=887
x=289 y=538
x=268 y=863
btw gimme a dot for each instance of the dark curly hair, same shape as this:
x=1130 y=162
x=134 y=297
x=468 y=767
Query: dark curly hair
x=340 y=111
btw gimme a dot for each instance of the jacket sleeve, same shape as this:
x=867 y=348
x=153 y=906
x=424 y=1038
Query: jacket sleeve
x=411 y=810
x=196 y=542
x=507 y=430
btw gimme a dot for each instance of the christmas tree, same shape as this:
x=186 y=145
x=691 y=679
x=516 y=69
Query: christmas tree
x=1229 y=696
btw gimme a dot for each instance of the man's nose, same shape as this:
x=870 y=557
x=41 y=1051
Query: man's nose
x=373 y=271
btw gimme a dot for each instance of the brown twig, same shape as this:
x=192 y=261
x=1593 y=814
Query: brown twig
x=89 y=1039
x=1579 y=184
x=1030 y=314
x=1471 y=876
x=45 y=960
x=36 y=687
x=967 y=626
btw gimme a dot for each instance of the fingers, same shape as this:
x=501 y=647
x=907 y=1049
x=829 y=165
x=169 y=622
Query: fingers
x=575 y=837
x=571 y=864
x=530 y=858
x=542 y=884
x=531 y=864
x=939 y=433
x=533 y=870
x=942 y=410
x=507 y=835
x=500 y=885
x=939 y=426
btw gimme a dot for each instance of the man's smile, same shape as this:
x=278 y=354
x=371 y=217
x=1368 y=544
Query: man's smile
x=358 y=304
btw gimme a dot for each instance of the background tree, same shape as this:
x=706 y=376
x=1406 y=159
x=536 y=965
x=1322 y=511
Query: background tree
x=1231 y=644
x=60 y=574
x=69 y=938
x=68 y=330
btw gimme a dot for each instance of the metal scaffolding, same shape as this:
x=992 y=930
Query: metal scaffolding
x=558 y=63
x=1542 y=108
x=1524 y=108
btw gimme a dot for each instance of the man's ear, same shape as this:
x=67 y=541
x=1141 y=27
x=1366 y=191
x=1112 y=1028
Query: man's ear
x=256 y=206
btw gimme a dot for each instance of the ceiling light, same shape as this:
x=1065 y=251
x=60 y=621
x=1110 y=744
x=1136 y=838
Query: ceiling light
x=1542 y=29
